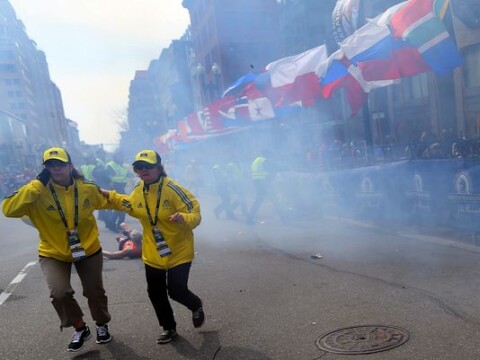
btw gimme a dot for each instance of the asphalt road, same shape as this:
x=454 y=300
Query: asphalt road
x=264 y=296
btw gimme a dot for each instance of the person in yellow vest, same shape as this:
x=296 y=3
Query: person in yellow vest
x=87 y=171
x=168 y=213
x=60 y=203
x=237 y=186
x=118 y=182
x=223 y=191
x=263 y=172
x=101 y=177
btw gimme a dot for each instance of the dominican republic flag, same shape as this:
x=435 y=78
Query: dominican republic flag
x=378 y=56
x=374 y=56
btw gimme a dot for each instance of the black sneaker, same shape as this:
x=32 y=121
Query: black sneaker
x=198 y=317
x=166 y=336
x=78 y=339
x=103 y=335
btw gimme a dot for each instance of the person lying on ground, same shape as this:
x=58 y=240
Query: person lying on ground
x=129 y=245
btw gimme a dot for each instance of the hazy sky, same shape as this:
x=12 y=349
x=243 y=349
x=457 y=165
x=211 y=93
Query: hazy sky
x=93 y=48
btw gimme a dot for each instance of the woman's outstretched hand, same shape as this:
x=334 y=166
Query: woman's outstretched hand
x=104 y=192
x=178 y=218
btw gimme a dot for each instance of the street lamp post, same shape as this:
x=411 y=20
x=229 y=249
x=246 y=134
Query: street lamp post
x=199 y=75
x=217 y=80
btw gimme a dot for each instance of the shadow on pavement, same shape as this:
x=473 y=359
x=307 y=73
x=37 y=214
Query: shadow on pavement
x=117 y=349
x=211 y=349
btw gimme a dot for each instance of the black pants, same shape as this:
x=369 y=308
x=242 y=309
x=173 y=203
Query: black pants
x=263 y=192
x=174 y=283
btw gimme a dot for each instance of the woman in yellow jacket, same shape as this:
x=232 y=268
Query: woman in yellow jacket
x=168 y=213
x=60 y=203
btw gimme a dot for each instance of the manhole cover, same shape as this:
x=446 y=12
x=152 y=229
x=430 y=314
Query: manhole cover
x=365 y=339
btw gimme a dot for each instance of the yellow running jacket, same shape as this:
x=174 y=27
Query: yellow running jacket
x=179 y=237
x=36 y=201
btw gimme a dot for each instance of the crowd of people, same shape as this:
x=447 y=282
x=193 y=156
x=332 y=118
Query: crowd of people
x=344 y=155
x=12 y=179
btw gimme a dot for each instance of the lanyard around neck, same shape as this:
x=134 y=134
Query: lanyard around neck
x=60 y=210
x=157 y=207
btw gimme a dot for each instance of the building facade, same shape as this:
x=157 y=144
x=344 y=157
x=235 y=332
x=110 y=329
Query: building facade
x=229 y=39
x=159 y=96
x=27 y=93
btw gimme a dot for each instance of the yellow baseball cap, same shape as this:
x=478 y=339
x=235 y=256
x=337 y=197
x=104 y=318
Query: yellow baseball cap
x=56 y=153
x=148 y=156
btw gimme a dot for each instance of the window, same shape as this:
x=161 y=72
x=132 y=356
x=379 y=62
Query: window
x=7 y=67
x=420 y=86
x=414 y=88
x=8 y=82
x=6 y=54
x=471 y=67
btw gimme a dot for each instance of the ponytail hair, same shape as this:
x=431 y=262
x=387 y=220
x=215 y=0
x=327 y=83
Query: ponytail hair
x=77 y=174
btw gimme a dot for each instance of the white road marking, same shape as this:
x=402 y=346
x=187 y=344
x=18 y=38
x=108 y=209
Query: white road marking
x=14 y=283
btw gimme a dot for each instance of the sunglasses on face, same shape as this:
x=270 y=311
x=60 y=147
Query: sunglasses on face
x=55 y=163
x=143 y=167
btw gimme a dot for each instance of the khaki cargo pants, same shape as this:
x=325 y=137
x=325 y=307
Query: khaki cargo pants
x=58 y=275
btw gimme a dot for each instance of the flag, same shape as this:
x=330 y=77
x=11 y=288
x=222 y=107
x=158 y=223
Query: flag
x=166 y=142
x=371 y=57
x=295 y=78
x=252 y=106
x=212 y=112
x=245 y=111
x=260 y=109
x=196 y=123
x=337 y=77
x=239 y=84
x=260 y=91
x=379 y=58
x=384 y=18
x=418 y=24
x=190 y=127
x=238 y=110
